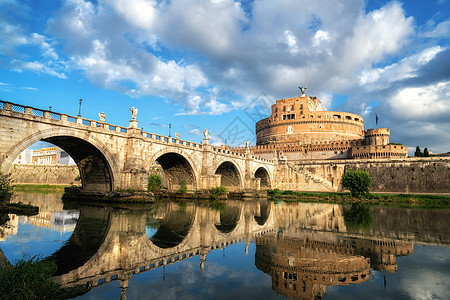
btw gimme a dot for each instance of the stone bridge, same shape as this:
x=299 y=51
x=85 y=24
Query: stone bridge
x=112 y=157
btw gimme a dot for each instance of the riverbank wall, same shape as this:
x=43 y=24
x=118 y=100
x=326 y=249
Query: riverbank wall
x=41 y=174
x=409 y=175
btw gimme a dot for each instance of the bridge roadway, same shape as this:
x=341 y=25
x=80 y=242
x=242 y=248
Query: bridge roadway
x=112 y=157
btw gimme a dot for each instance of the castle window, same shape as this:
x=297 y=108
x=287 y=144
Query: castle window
x=336 y=116
x=301 y=112
x=356 y=119
x=301 y=106
x=348 y=117
x=288 y=117
x=284 y=108
x=292 y=107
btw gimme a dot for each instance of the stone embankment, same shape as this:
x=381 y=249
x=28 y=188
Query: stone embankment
x=41 y=174
x=410 y=175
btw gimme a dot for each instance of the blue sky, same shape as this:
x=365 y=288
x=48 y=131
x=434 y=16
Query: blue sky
x=219 y=64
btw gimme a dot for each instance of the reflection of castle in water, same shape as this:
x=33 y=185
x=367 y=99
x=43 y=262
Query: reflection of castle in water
x=303 y=264
x=304 y=267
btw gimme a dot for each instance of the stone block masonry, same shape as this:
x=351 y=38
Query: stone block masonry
x=41 y=174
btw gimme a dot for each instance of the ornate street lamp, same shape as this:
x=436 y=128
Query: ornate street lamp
x=79 y=109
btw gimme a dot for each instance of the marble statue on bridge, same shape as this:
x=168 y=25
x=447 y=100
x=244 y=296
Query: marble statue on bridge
x=134 y=112
x=102 y=117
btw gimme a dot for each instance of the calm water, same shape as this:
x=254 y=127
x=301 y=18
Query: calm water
x=240 y=250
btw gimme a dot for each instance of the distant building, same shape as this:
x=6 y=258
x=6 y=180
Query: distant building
x=24 y=157
x=44 y=156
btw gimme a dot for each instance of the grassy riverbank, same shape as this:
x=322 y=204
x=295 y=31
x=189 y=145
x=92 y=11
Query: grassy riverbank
x=31 y=278
x=401 y=200
x=40 y=188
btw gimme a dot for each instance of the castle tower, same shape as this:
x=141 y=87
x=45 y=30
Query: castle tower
x=378 y=136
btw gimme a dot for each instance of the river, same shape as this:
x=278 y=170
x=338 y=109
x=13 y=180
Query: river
x=236 y=249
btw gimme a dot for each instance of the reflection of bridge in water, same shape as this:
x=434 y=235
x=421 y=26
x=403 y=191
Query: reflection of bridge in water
x=305 y=247
x=107 y=246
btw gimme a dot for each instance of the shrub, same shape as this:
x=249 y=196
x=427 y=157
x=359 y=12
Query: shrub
x=357 y=182
x=6 y=187
x=183 y=187
x=154 y=183
x=218 y=191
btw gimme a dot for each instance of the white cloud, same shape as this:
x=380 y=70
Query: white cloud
x=291 y=41
x=422 y=102
x=378 y=78
x=440 y=30
x=195 y=132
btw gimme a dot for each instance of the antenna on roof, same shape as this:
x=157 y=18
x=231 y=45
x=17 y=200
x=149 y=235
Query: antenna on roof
x=306 y=80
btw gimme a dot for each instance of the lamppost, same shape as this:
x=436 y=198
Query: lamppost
x=79 y=109
x=170 y=127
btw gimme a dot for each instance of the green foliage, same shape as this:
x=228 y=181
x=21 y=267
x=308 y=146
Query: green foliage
x=357 y=182
x=6 y=187
x=29 y=278
x=419 y=153
x=358 y=216
x=217 y=192
x=183 y=188
x=154 y=183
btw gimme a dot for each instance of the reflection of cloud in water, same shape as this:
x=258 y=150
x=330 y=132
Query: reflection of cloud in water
x=185 y=280
x=426 y=285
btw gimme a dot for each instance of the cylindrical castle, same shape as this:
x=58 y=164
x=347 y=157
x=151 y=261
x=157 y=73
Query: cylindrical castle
x=303 y=120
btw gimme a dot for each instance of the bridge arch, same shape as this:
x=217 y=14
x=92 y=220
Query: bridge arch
x=177 y=166
x=266 y=180
x=98 y=170
x=231 y=175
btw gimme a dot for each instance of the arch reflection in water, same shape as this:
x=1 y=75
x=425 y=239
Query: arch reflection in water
x=174 y=227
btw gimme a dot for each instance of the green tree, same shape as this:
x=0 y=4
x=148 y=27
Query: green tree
x=418 y=153
x=425 y=152
x=154 y=183
x=357 y=182
x=6 y=187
